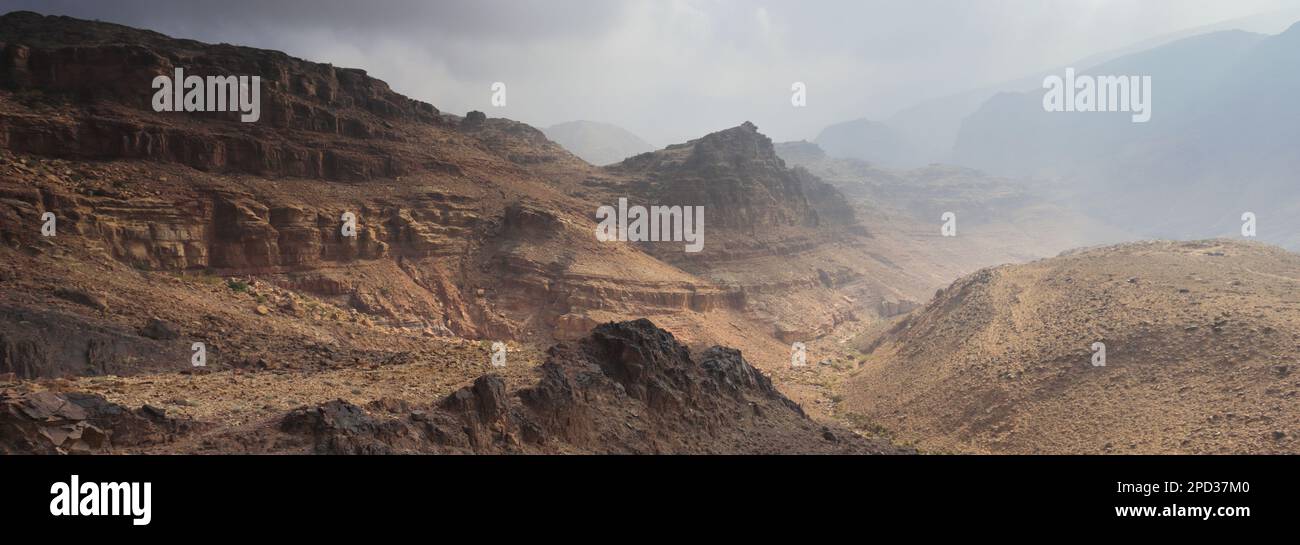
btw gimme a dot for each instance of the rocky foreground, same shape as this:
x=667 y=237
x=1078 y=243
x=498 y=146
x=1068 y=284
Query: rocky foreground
x=626 y=388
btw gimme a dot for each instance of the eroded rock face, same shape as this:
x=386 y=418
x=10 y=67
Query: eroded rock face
x=105 y=63
x=483 y=413
x=339 y=427
x=737 y=176
x=889 y=308
x=42 y=342
x=339 y=127
x=218 y=228
x=786 y=244
x=478 y=226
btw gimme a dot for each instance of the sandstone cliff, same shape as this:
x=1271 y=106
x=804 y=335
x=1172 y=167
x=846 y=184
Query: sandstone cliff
x=179 y=228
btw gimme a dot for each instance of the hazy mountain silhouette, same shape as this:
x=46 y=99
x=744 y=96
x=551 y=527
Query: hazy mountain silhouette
x=927 y=131
x=1220 y=141
x=597 y=143
x=867 y=140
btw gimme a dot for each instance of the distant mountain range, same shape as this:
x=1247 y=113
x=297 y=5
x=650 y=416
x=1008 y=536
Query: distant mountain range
x=869 y=141
x=928 y=130
x=1220 y=143
x=1221 y=140
x=353 y=265
x=597 y=143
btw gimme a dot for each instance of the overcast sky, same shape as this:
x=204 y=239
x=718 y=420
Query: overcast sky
x=672 y=70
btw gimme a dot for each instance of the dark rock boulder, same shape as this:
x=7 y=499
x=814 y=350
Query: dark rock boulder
x=160 y=330
x=79 y=423
x=339 y=427
x=79 y=296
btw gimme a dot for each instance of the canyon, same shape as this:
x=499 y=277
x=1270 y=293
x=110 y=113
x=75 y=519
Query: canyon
x=199 y=228
x=472 y=232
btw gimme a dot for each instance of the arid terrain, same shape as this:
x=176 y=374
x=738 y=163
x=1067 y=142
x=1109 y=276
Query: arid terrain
x=182 y=229
x=173 y=229
x=1201 y=343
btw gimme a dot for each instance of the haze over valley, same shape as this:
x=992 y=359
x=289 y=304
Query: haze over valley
x=456 y=259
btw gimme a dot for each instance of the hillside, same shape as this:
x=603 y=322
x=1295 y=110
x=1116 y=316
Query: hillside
x=1201 y=343
x=487 y=233
x=181 y=228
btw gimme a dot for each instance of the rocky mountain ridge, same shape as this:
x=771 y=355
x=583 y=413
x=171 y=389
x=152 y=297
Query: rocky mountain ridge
x=175 y=230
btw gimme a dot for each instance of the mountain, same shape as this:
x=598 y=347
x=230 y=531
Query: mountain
x=360 y=272
x=737 y=173
x=471 y=234
x=1183 y=73
x=1200 y=355
x=1214 y=148
x=867 y=140
x=926 y=132
x=999 y=219
x=789 y=247
x=597 y=143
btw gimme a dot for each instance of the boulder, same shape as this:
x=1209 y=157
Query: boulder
x=160 y=330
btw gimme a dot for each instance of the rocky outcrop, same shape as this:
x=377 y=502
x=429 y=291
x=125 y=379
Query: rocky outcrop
x=80 y=63
x=888 y=308
x=736 y=175
x=628 y=387
x=217 y=228
x=53 y=342
x=103 y=61
x=520 y=143
x=79 y=423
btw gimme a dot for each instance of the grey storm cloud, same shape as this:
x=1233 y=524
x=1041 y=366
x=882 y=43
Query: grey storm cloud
x=671 y=70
